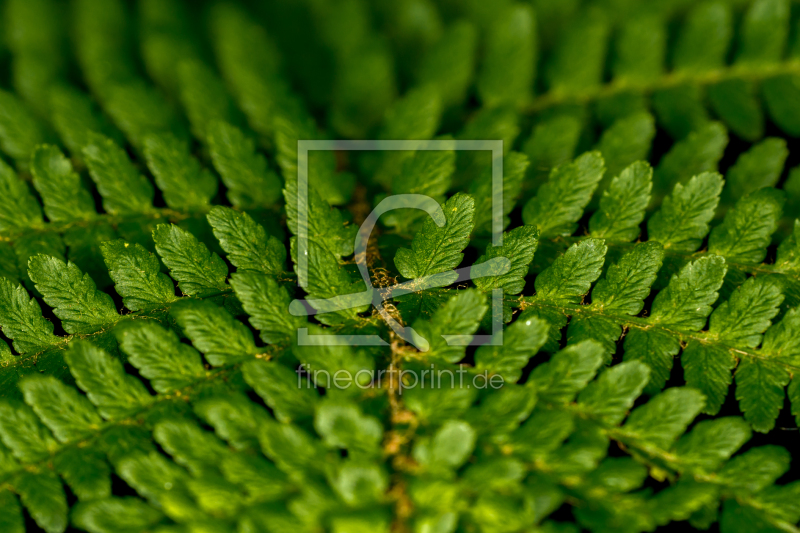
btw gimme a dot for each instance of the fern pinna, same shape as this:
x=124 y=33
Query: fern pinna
x=153 y=375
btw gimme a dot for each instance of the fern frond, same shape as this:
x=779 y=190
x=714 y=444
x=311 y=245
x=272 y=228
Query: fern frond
x=164 y=369
x=638 y=67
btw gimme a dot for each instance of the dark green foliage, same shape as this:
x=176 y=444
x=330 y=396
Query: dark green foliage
x=158 y=375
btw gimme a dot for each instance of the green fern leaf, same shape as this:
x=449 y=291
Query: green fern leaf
x=756 y=468
x=623 y=204
x=521 y=341
x=740 y=323
x=204 y=98
x=41 y=493
x=747 y=314
x=552 y=143
x=711 y=442
x=518 y=247
x=71 y=293
x=736 y=102
x=214 y=331
x=107 y=515
x=177 y=437
x=461 y=313
x=571 y=275
x=613 y=394
x=282 y=390
x=234 y=419
x=627 y=283
x=123 y=188
x=698 y=153
x=325 y=225
x=246 y=243
x=87 y=474
x=20 y=132
x=64 y=197
x=683 y=219
x=66 y=413
x=641 y=50
x=560 y=202
x=327 y=279
x=244 y=172
x=577 y=62
x=344 y=426
x=747 y=229
x=686 y=302
x=626 y=141
x=22 y=432
x=437 y=247
x=12 y=519
x=704 y=38
x=449 y=447
x=764 y=32
x=137 y=275
x=160 y=357
x=509 y=60
x=427 y=172
x=568 y=372
x=502 y=413
x=179 y=176
x=77 y=119
x=266 y=302
x=21 y=319
x=21 y=208
x=664 y=418
x=415 y=116
x=515 y=165
x=102 y=377
x=139 y=111
x=760 y=392
x=449 y=64
x=198 y=271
